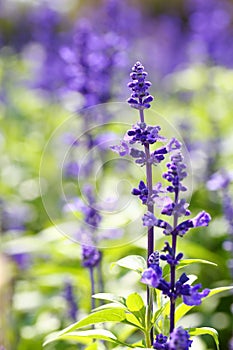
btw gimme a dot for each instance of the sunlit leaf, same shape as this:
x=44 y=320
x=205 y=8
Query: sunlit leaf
x=89 y=334
x=186 y=262
x=132 y=262
x=205 y=330
x=108 y=315
x=110 y=297
x=134 y=302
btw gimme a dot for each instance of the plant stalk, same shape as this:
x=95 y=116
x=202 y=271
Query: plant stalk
x=173 y=269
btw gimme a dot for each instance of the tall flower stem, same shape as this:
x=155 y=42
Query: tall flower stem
x=100 y=278
x=150 y=208
x=173 y=269
x=91 y=270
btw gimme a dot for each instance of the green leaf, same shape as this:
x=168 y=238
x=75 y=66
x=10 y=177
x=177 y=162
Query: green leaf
x=89 y=334
x=218 y=290
x=132 y=262
x=110 y=297
x=183 y=309
x=134 y=302
x=132 y=320
x=186 y=262
x=109 y=315
x=205 y=330
x=92 y=346
x=136 y=306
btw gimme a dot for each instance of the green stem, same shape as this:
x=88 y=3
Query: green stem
x=147 y=338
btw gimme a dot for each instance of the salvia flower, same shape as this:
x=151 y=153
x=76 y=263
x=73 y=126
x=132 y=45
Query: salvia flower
x=71 y=302
x=176 y=173
x=179 y=339
x=91 y=256
x=153 y=274
x=194 y=297
x=160 y=342
x=202 y=219
x=149 y=219
x=144 y=134
x=169 y=257
x=140 y=97
x=179 y=209
x=142 y=192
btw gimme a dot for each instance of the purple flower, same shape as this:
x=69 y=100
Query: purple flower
x=141 y=191
x=150 y=220
x=144 y=134
x=71 y=170
x=140 y=97
x=122 y=150
x=92 y=217
x=91 y=256
x=179 y=340
x=71 y=303
x=151 y=276
x=194 y=297
x=202 y=219
x=160 y=342
x=23 y=260
x=219 y=181
x=231 y=344
x=139 y=155
x=169 y=257
x=179 y=209
x=176 y=173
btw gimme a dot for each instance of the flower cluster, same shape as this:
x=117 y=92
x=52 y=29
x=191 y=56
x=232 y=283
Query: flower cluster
x=152 y=276
x=90 y=256
x=202 y=219
x=142 y=192
x=179 y=340
x=144 y=134
x=140 y=97
x=176 y=173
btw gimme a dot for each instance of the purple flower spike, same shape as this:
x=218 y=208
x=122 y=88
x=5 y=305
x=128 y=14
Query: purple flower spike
x=140 y=97
x=176 y=173
x=194 y=297
x=179 y=340
x=70 y=298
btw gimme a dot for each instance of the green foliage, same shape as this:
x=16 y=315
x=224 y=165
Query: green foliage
x=206 y=330
x=132 y=262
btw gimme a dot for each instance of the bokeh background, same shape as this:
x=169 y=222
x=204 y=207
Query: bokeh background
x=64 y=68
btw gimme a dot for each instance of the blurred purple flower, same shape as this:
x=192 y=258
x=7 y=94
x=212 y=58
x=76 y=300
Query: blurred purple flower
x=71 y=302
x=91 y=256
x=22 y=260
x=219 y=180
